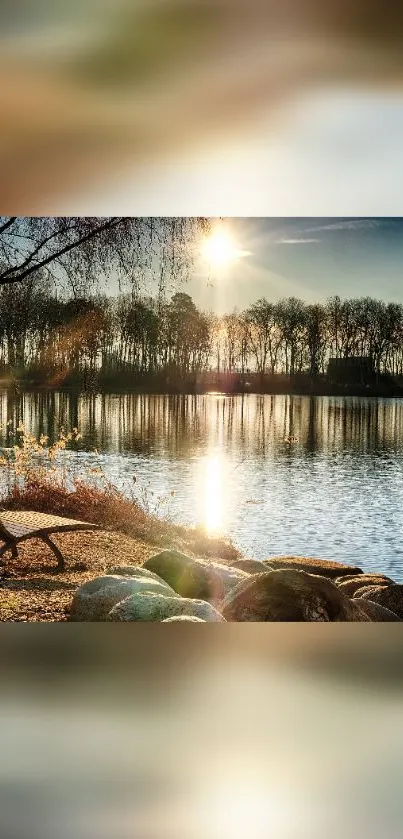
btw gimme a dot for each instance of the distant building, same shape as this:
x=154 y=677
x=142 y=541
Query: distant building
x=355 y=368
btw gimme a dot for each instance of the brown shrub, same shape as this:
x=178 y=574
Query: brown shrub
x=111 y=509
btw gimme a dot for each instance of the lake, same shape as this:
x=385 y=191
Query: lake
x=316 y=476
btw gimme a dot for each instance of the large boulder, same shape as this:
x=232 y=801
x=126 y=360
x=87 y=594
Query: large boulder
x=375 y=612
x=251 y=566
x=390 y=597
x=289 y=596
x=184 y=619
x=311 y=565
x=133 y=571
x=93 y=600
x=193 y=577
x=350 y=585
x=157 y=607
x=229 y=576
x=366 y=591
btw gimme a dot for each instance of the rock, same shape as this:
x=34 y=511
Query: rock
x=375 y=612
x=390 y=597
x=350 y=585
x=367 y=590
x=133 y=571
x=251 y=566
x=184 y=619
x=93 y=600
x=157 y=607
x=324 y=567
x=289 y=595
x=230 y=576
x=193 y=577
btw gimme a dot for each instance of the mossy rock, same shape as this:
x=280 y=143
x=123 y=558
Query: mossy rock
x=151 y=607
x=94 y=599
x=193 y=577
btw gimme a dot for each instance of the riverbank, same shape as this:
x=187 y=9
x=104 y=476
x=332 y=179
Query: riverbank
x=164 y=571
x=234 y=384
x=295 y=589
x=138 y=567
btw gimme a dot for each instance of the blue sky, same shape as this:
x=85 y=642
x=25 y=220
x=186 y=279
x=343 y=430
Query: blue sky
x=311 y=258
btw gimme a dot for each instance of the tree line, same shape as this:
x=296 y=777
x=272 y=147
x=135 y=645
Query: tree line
x=291 y=336
x=43 y=335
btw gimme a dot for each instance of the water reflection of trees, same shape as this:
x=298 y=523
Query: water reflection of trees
x=182 y=426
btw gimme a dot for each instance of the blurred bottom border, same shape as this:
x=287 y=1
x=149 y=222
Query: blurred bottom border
x=220 y=731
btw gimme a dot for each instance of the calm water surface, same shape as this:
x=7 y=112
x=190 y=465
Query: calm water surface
x=335 y=490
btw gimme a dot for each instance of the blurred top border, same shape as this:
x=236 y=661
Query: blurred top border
x=200 y=108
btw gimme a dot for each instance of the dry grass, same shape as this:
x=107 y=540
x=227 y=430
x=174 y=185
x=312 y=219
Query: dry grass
x=111 y=509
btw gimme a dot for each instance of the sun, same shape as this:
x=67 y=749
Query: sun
x=219 y=248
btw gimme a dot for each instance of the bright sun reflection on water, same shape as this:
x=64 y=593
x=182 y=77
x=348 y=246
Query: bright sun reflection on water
x=213 y=494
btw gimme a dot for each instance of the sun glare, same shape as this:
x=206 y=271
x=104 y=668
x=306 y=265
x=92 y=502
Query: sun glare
x=212 y=512
x=219 y=249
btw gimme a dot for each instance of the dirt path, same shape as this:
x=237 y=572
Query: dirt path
x=31 y=590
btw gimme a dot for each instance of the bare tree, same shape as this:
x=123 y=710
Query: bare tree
x=263 y=333
x=80 y=250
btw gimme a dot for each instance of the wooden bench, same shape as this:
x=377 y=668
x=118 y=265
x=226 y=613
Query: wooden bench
x=18 y=526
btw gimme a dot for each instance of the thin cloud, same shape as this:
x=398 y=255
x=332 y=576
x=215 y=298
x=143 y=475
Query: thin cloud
x=296 y=241
x=348 y=224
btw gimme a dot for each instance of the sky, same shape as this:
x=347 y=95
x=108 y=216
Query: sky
x=310 y=258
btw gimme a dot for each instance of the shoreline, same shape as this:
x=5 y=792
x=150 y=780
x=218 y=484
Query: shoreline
x=178 y=573
x=144 y=391
x=282 y=588
x=202 y=382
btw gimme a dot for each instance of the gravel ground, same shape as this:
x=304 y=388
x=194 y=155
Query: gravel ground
x=31 y=589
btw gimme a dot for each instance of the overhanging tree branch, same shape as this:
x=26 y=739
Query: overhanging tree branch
x=31 y=256
x=16 y=275
x=8 y=224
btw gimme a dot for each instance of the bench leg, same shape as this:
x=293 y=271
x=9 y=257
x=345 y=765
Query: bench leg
x=58 y=554
x=9 y=546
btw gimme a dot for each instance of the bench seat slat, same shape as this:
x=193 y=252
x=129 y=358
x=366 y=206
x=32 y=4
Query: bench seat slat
x=20 y=523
